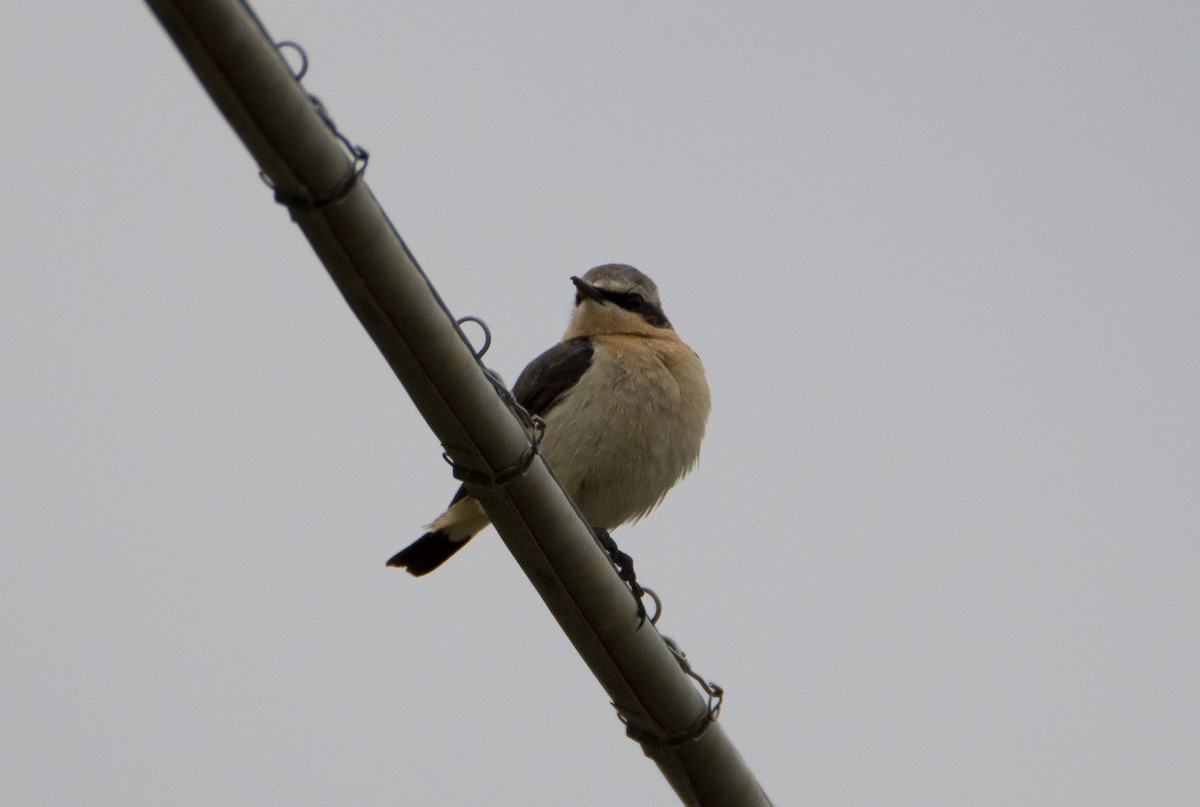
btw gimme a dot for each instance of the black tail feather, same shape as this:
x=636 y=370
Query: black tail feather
x=426 y=553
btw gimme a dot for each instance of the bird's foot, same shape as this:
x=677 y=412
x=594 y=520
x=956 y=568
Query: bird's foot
x=625 y=570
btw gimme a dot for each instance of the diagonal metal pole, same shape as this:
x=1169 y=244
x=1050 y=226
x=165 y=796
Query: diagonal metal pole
x=229 y=51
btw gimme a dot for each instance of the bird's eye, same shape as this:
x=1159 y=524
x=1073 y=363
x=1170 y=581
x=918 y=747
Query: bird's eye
x=636 y=301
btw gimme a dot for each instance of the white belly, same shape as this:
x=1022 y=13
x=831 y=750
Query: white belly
x=630 y=429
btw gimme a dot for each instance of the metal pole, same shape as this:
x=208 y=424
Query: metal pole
x=228 y=49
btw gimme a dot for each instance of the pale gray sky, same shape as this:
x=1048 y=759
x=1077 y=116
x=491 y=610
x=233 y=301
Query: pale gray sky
x=940 y=259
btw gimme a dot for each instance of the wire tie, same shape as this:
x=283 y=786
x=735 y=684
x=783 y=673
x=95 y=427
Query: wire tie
x=307 y=202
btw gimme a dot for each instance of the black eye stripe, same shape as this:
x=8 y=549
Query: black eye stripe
x=629 y=300
x=634 y=302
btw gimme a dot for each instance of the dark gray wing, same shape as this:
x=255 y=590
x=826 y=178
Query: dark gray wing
x=543 y=382
x=551 y=374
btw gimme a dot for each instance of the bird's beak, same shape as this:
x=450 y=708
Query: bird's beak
x=587 y=290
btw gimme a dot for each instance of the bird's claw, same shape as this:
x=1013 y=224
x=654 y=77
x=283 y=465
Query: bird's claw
x=624 y=564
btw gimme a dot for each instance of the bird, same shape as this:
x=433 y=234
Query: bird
x=625 y=403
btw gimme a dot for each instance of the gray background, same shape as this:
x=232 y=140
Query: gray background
x=940 y=260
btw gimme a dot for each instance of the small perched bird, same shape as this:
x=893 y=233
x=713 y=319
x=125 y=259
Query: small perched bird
x=625 y=403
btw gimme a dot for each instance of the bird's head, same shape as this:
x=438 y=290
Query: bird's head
x=616 y=298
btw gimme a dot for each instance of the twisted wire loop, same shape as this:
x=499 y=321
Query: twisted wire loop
x=658 y=606
x=534 y=426
x=712 y=710
x=487 y=335
x=287 y=43
x=308 y=202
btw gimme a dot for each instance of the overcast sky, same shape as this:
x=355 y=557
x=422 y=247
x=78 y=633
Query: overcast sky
x=941 y=260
